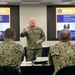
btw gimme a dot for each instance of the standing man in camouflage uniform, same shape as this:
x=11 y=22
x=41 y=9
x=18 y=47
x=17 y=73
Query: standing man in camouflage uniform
x=63 y=53
x=35 y=36
x=11 y=53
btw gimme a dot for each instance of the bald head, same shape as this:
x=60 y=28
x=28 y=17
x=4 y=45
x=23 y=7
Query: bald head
x=32 y=18
x=65 y=35
x=32 y=22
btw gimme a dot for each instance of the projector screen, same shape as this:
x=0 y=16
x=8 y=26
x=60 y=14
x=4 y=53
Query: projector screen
x=58 y=18
x=9 y=18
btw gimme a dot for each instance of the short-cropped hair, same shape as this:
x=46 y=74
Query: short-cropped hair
x=65 y=34
x=9 y=33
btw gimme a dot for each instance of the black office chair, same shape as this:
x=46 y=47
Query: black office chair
x=69 y=70
x=7 y=70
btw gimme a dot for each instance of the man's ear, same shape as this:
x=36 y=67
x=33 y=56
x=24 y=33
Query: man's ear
x=59 y=39
x=3 y=37
x=70 y=38
x=14 y=37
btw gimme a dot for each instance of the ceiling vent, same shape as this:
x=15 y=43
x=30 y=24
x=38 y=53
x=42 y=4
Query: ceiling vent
x=62 y=2
x=67 y=0
x=11 y=1
x=30 y=1
x=49 y=1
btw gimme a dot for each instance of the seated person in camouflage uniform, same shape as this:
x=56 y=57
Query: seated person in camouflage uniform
x=11 y=53
x=35 y=36
x=63 y=53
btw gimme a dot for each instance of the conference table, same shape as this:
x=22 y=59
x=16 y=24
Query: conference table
x=27 y=68
x=37 y=68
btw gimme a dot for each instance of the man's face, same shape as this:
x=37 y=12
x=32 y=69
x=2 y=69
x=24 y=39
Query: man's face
x=32 y=22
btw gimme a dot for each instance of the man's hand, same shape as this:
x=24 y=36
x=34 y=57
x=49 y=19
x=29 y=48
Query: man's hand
x=27 y=30
x=39 y=41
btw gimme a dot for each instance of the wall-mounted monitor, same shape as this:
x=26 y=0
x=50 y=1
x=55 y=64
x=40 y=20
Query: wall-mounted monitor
x=58 y=18
x=9 y=18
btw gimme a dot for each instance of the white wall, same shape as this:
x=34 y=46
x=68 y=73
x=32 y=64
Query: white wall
x=39 y=12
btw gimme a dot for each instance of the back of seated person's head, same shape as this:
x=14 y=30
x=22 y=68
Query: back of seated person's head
x=65 y=35
x=9 y=34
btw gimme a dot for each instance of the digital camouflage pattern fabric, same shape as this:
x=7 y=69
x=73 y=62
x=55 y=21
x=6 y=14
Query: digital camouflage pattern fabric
x=61 y=55
x=34 y=34
x=11 y=54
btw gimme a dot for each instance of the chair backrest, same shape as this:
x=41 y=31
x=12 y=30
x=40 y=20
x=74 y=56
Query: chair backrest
x=7 y=70
x=69 y=70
